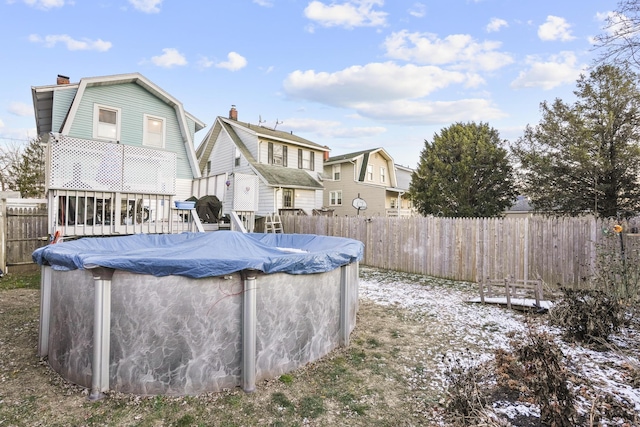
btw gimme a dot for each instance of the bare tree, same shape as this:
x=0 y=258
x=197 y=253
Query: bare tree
x=10 y=156
x=620 y=42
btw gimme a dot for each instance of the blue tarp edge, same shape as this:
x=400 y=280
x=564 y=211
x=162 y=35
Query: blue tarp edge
x=198 y=255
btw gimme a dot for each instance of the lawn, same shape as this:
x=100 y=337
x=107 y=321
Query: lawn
x=409 y=328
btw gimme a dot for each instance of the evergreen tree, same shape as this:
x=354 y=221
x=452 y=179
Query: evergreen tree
x=585 y=158
x=463 y=172
x=28 y=174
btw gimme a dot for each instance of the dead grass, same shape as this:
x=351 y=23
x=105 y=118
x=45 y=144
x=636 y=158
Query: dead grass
x=365 y=384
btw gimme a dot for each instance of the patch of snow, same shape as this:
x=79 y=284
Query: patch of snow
x=485 y=327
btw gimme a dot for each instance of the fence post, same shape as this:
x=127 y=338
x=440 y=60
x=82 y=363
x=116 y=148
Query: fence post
x=3 y=236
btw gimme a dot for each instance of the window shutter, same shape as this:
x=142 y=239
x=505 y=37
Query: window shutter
x=270 y=153
x=299 y=158
x=284 y=155
x=312 y=161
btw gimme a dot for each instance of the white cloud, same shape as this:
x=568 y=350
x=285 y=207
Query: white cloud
x=1 y=124
x=204 y=62
x=20 y=109
x=146 y=6
x=350 y=14
x=46 y=4
x=374 y=82
x=263 y=3
x=557 y=70
x=431 y=112
x=235 y=62
x=418 y=10
x=170 y=58
x=555 y=28
x=332 y=128
x=496 y=24
x=460 y=51
x=71 y=43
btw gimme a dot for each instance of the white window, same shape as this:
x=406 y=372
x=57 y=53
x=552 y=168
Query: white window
x=383 y=175
x=305 y=159
x=369 y=172
x=336 y=172
x=154 y=131
x=335 y=198
x=277 y=154
x=237 y=158
x=209 y=168
x=106 y=123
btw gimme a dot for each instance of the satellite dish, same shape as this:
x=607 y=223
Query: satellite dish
x=359 y=204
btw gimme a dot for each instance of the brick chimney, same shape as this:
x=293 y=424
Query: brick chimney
x=62 y=80
x=326 y=154
x=233 y=113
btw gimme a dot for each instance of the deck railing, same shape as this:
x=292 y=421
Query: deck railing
x=99 y=213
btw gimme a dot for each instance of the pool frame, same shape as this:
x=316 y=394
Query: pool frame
x=108 y=329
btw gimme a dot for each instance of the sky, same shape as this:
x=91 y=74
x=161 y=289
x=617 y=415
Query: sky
x=349 y=74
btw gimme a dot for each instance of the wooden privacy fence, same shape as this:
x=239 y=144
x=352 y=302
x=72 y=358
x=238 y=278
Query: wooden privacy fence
x=23 y=229
x=557 y=250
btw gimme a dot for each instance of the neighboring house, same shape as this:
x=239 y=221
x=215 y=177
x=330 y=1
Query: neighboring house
x=257 y=170
x=119 y=150
x=520 y=208
x=370 y=175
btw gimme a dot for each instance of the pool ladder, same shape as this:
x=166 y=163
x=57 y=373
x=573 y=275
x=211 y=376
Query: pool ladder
x=273 y=224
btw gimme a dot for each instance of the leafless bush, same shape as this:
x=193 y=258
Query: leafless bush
x=587 y=315
x=546 y=376
x=465 y=400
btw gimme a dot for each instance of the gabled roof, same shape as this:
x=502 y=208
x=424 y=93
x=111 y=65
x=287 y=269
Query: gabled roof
x=277 y=176
x=43 y=102
x=364 y=155
x=43 y=97
x=349 y=156
x=280 y=176
x=275 y=135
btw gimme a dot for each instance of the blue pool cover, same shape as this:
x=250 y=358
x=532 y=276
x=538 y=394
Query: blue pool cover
x=204 y=254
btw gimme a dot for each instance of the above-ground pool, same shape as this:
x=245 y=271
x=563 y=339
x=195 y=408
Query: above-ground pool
x=195 y=312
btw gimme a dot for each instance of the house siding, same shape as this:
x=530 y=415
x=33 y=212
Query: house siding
x=373 y=192
x=62 y=100
x=266 y=203
x=134 y=101
x=248 y=139
x=222 y=155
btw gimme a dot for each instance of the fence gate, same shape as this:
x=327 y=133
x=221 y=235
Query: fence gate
x=23 y=230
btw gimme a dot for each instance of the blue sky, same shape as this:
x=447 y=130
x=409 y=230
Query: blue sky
x=349 y=74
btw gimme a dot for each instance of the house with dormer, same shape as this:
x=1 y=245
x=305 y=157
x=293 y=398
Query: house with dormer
x=257 y=170
x=367 y=183
x=119 y=151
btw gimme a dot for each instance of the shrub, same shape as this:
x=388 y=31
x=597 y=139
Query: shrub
x=547 y=378
x=464 y=397
x=587 y=315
